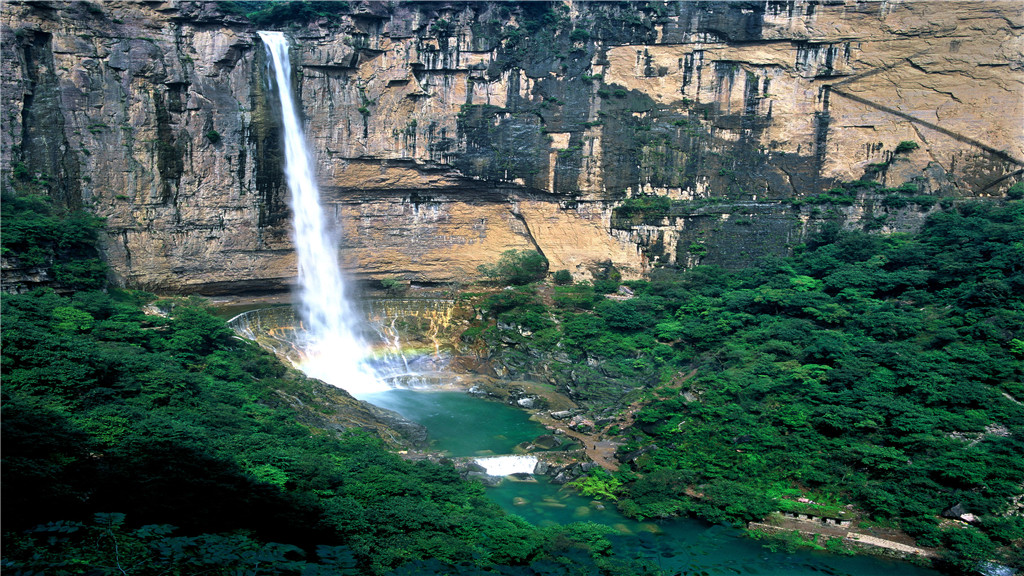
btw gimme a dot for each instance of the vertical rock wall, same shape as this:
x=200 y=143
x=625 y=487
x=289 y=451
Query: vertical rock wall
x=446 y=133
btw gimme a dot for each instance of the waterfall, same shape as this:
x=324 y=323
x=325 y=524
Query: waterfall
x=330 y=346
x=408 y=338
x=505 y=465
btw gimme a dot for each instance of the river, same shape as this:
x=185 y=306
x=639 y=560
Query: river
x=462 y=424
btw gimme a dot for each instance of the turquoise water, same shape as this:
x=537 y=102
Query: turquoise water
x=464 y=425
x=461 y=424
x=684 y=545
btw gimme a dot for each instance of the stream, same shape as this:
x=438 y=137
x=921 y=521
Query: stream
x=462 y=424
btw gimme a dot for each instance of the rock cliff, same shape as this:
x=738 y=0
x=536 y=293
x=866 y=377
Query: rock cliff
x=448 y=132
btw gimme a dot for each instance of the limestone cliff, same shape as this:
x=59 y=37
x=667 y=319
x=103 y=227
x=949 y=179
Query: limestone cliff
x=448 y=132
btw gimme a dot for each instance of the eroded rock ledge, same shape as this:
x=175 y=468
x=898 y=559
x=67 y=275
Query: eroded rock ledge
x=446 y=133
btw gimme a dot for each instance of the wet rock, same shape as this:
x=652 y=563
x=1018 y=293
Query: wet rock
x=959 y=512
x=415 y=433
x=484 y=479
x=955 y=511
x=471 y=466
x=568 y=473
x=527 y=402
x=547 y=442
x=633 y=455
x=327 y=407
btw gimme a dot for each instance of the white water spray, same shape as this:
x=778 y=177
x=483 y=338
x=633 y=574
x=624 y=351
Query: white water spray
x=505 y=465
x=331 y=348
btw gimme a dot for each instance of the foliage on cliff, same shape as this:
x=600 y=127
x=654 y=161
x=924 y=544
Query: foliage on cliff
x=879 y=371
x=57 y=243
x=293 y=12
x=516 y=267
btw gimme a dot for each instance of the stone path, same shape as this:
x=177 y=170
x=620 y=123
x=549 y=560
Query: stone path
x=851 y=538
x=600 y=451
x=888 y=544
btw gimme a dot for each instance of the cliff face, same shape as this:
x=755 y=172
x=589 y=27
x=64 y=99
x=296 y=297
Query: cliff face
x=446 y=133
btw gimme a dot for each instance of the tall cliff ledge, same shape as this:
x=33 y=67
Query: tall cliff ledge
x=448 y=132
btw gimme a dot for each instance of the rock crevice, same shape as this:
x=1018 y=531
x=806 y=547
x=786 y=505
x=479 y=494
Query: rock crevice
x=156 y=116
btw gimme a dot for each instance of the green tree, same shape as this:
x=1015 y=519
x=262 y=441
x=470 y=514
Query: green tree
x=562 y=277
x=516 y=267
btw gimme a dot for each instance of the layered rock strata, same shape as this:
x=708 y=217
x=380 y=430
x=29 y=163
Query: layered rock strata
x=446 y=133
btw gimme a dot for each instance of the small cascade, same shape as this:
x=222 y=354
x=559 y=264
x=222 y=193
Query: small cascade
x=505 y=465
x=408 y=338
x=330 y=345
x=411 y=347
x=274 y=329
x=411 y=336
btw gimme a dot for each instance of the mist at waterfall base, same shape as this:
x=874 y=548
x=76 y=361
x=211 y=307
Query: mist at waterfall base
x=329 y=343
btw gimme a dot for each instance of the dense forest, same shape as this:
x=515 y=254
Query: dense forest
x=142 y=443
x=878 y=373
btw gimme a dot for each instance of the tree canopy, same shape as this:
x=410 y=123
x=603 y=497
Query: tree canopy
x=881 y=372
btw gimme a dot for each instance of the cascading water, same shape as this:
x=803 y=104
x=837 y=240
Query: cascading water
x=331 y=348
x=407 y=337
x=506 y=465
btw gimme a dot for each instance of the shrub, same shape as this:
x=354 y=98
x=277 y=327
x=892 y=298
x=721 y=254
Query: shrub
x=563 y=277
x=579 y=295
x=1016 y=192
x=635 y=314
x=606 y=278
x=597 y=484
x=516 y=267
x=579 y=35
x=698 y=249
x=906 y=146
x=213 y=136
x=21 y=171
x=642 y=210
x=895 y=201
x=508 y=299
x=393 y=285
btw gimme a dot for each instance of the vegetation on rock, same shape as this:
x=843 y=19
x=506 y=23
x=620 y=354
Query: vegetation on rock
x=517 y=267
x=879 y=372
x=59 y=243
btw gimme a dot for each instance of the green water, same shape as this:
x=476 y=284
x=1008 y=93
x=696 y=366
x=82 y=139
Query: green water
x=464 y=425
x=684 y=545
x=461 y=424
